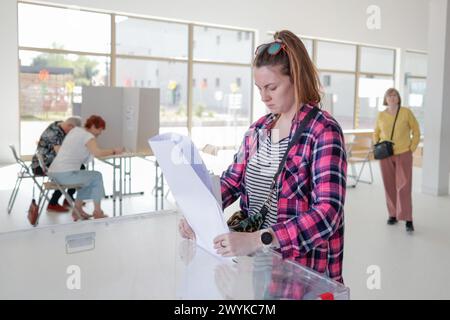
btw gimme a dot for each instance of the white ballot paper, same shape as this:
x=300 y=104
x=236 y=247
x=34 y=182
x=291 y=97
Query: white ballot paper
x=191 y=185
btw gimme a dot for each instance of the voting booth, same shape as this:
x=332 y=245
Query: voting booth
x=131 y=115
x=144 y=257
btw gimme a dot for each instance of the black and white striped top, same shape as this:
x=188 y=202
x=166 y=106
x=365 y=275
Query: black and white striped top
x=259 y=175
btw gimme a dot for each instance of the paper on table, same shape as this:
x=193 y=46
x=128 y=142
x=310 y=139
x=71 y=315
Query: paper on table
x=191 y=186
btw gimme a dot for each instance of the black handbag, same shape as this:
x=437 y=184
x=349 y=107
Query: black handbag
x=385 y=149
x=240 y=221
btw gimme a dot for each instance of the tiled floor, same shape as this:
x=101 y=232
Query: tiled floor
x=410 y=266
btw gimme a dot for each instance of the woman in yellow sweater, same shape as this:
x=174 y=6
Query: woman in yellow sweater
x=397 y=169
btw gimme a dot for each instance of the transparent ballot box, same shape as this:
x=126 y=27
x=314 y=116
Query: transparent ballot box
x=144 y=257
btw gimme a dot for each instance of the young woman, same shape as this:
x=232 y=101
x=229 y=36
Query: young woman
x=305 y=221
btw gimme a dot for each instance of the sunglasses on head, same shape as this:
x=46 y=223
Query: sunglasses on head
x=273 y=48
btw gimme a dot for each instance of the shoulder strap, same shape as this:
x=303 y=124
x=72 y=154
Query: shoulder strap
x=311 y=114
x=396 y=115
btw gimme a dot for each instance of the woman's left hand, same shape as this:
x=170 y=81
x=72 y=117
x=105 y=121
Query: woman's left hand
x=237 y=243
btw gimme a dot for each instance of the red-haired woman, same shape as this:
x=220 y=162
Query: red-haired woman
x=78 y=148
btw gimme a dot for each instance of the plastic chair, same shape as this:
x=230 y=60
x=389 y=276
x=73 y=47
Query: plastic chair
x=25 y=172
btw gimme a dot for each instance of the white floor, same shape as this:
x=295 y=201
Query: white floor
x=411 y=266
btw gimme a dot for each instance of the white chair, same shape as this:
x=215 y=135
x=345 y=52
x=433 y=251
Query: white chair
x=25 y=172
x=359 y=152
x=51 y=184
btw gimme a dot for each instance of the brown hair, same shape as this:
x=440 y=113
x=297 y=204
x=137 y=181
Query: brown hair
x=95 y=121
x=388 y=92
x=295 y=63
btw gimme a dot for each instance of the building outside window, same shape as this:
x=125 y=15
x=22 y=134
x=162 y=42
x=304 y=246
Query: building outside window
x=57 y=60
x=55 y=63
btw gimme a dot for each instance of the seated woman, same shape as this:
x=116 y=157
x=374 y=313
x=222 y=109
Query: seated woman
x=77 y=148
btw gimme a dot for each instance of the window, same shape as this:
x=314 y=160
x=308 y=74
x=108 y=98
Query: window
x=414 y=98
x=171 y=79
x=416 y=63
x=50 y=89
x=221 y=115
x=416 y=85
x=57 y=28
x=339 y=97
x=224 y=104
x=377 y=60
x=58 y=59
x=143 y=37
x=227 y=49
x=370 y=94
x=309 y=46
x=336 y=56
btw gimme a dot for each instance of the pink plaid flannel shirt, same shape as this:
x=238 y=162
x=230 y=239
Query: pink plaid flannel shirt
x=311 y=191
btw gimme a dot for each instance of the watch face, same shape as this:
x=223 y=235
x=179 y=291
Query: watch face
x=266 y=238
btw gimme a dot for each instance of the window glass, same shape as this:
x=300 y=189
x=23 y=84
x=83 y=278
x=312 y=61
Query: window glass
x=216 y=44
x=169 y=77
x=338 y=98
x=371 y=93
x=336 y=56
x=415 y=90
x=51 y=87
x=221 y=114
x=416 y=64
x=377 y=60
x=58 y=28
x=151 y=38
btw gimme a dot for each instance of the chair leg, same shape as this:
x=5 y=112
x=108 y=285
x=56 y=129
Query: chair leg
x=12 y=198
x=352 y=166
x=358 y=177
x=371 y=172
x=39 y=185
x=361 y=171
x=41 y=204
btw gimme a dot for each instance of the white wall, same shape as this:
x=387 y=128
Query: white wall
x=9 y=80
x=403 y=25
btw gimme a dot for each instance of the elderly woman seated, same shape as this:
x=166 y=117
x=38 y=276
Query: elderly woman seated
x=78 y=147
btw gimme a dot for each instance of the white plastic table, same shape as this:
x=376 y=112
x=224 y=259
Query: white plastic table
x=143 y=257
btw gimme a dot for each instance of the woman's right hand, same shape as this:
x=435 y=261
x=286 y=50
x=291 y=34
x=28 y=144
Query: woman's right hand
x=186 y=230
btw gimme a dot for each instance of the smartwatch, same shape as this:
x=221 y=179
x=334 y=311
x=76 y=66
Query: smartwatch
x=266 y=238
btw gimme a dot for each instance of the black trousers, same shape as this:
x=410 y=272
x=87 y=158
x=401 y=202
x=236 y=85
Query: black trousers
x=56 y=194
